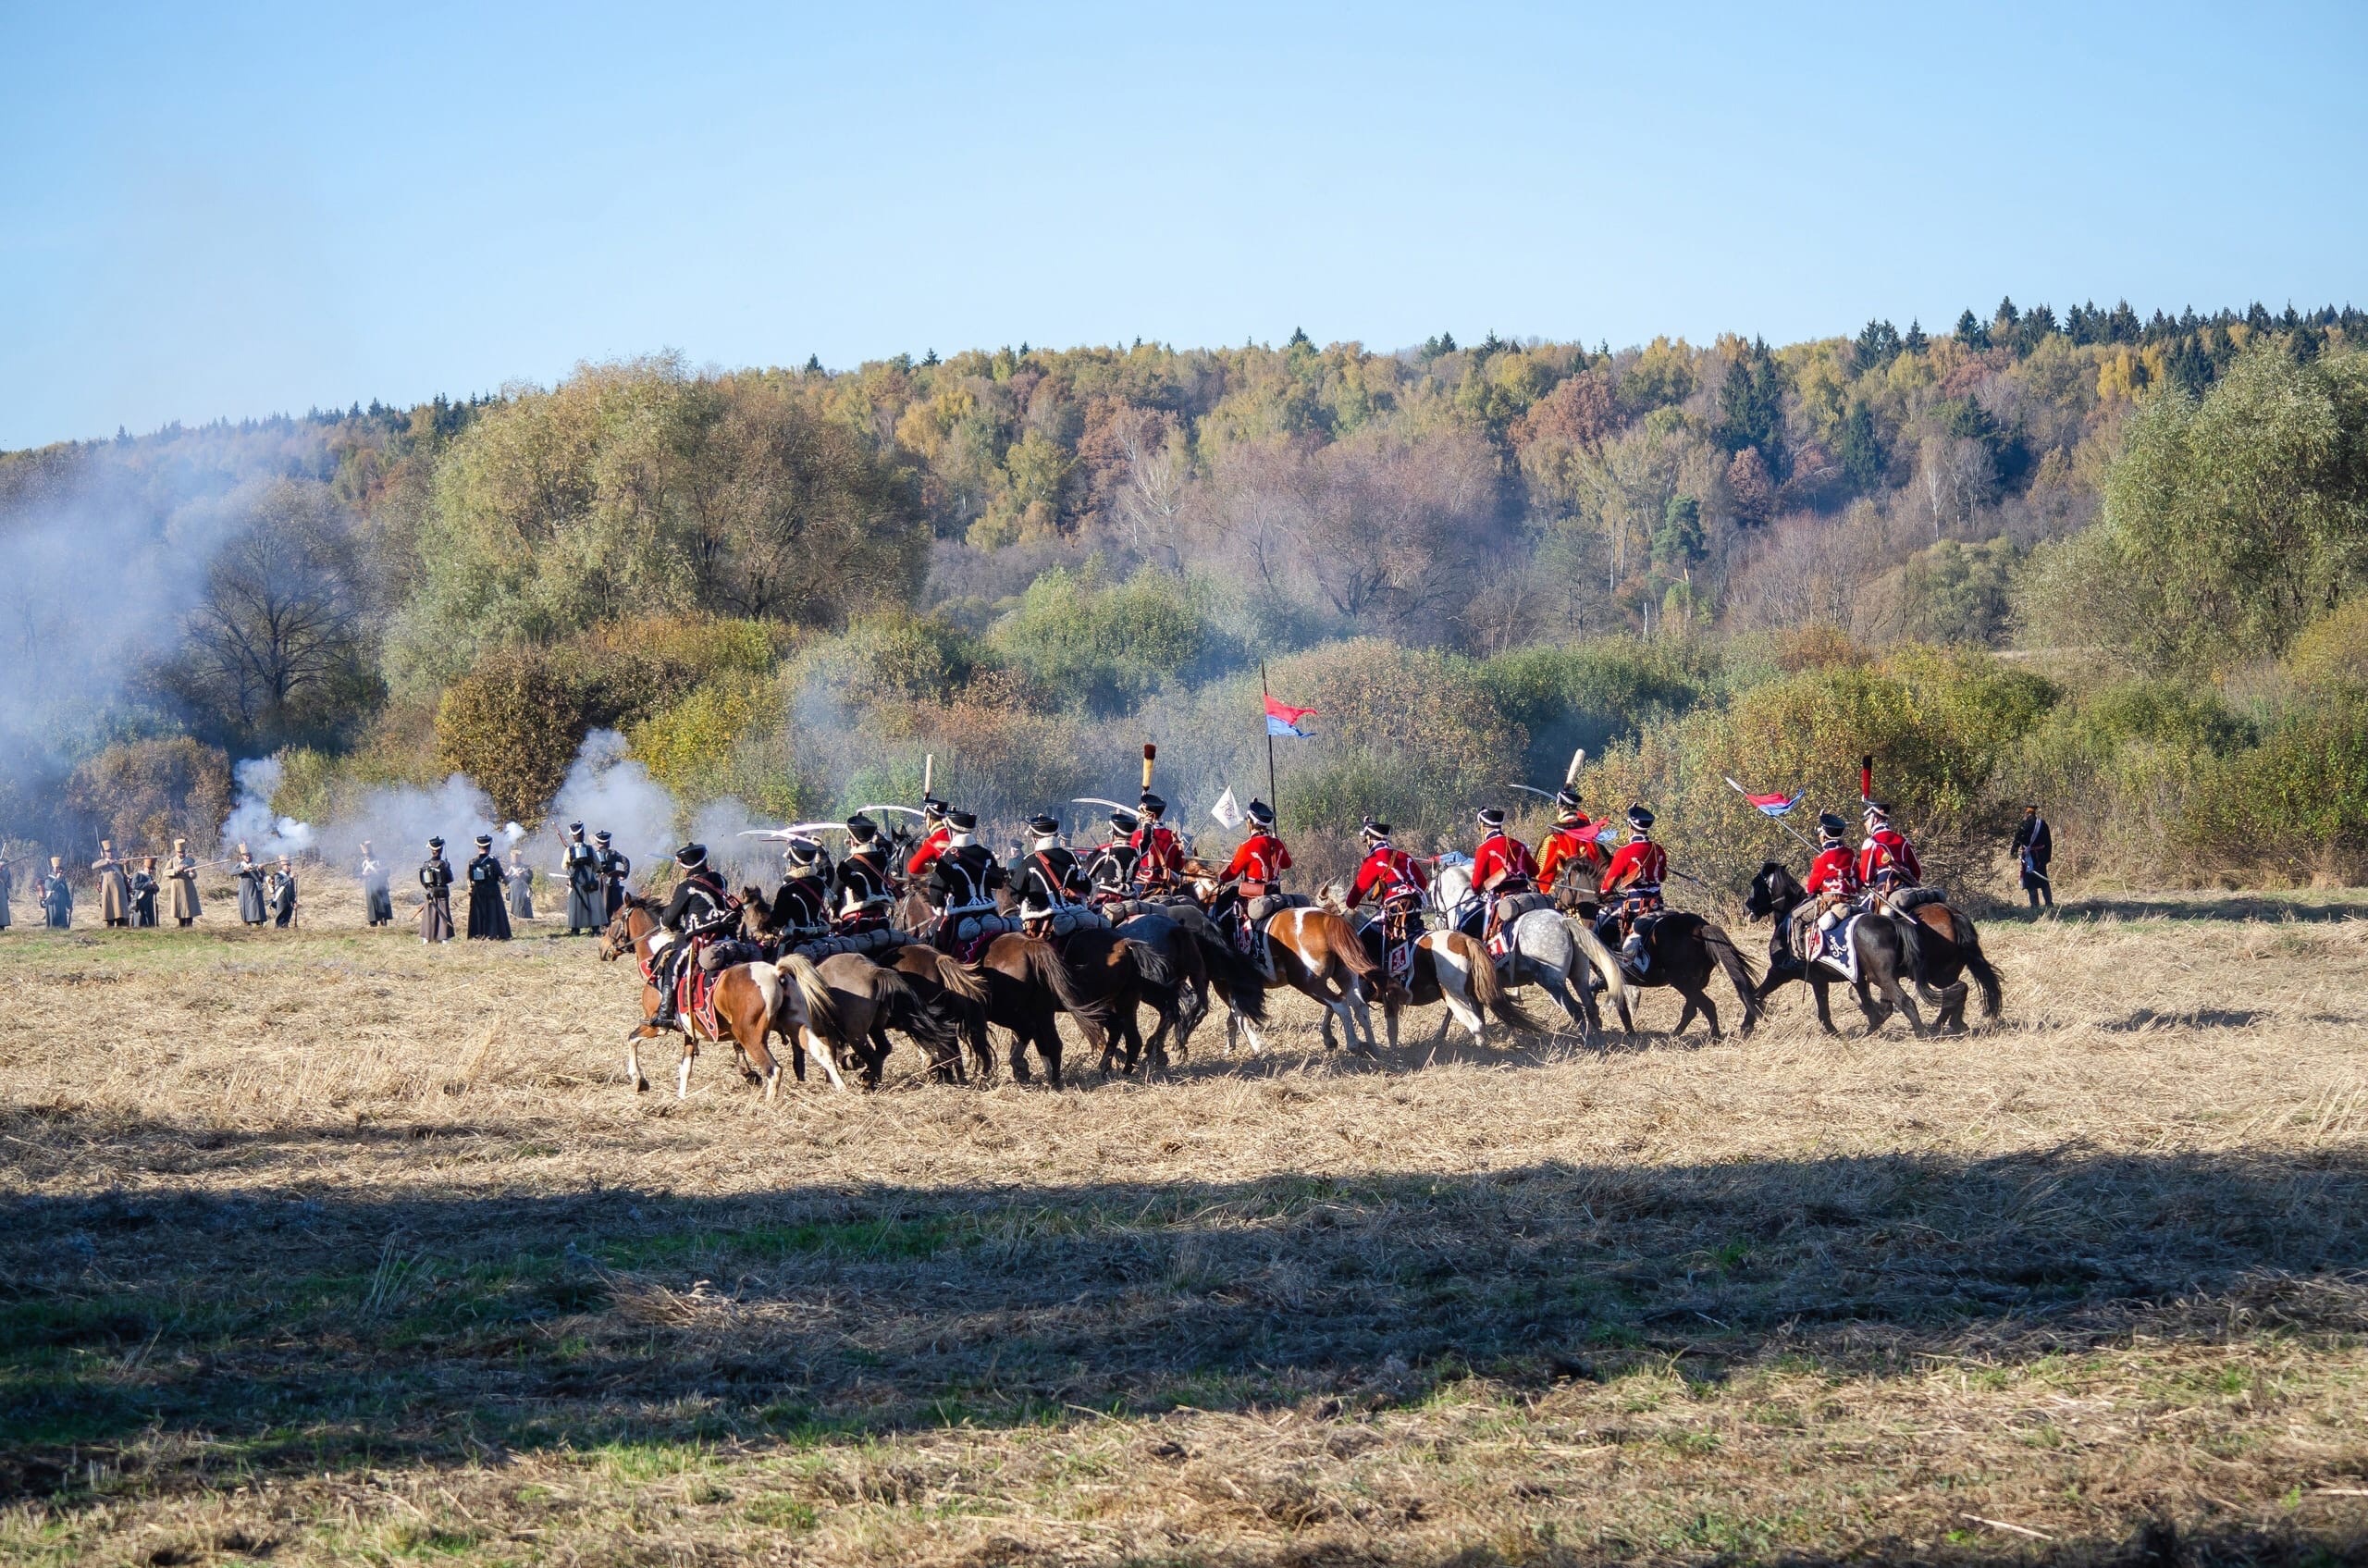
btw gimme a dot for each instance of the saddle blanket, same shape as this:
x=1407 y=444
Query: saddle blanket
x=1835 y=948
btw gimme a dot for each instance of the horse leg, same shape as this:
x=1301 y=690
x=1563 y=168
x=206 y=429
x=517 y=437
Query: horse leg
x=1354 y=986
x=1685 y=1014
x=1710 y=1014
x=813 y=1046
x=1895 y=997
x=683 y=1069
x=1049 y=1047
x=1823 y=992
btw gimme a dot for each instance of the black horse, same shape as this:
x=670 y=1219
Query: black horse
x=1684 y=951
x=1884 y=945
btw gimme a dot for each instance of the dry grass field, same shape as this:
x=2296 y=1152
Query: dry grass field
x=325 y=1247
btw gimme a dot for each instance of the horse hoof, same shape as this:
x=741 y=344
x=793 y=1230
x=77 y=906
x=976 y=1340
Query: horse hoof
x=641 y=1086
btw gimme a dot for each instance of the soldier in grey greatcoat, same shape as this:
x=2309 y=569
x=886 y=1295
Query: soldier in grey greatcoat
x=252 y=910
x=143 y=895
x=584 y=901
x=522 y=885
x=115 y=887
x=56 y=897
x=8 y=887
x=436 y=880
x=377 y=898
x=181 y=872
x=282 y=895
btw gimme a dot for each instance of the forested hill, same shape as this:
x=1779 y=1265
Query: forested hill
x=1029 y=538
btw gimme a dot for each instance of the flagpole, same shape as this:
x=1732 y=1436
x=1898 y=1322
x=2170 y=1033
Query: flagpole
x=1267 y=723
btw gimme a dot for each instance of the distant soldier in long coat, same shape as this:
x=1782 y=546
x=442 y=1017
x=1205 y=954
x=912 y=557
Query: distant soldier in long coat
x=181 y=872
x=143 y=895
x=7 y=888
x=252 y=910
x=436 y=880
x=488 y=921
x=583 y=885
x=377 y=898
x=56 y=897
x=614 y=869
x=115 y=888
x=522 y=885
x=283 y=894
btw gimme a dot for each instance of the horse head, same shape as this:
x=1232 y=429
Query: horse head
x=1774 y=891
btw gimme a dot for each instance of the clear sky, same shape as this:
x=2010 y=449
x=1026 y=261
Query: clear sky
x=269 y=208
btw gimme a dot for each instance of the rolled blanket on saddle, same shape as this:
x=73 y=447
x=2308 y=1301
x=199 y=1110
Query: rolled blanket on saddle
x=878 y=939
x=1075 y=918
x=1275 y=902
x=1513 y=905
x=1908 y=898
x=974 y=926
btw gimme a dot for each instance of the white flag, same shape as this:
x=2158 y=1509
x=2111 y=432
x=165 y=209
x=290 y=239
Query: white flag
x=1227 y=811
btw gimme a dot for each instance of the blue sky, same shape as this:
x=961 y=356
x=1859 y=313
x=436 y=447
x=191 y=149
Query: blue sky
x=235 y=215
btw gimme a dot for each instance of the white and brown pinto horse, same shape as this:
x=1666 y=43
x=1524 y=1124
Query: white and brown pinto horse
x=1317 y=954
x=752 y=1002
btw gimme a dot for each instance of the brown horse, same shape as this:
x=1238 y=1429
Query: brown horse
x=958 y=991
x=869 y=1000
x=753 y=1002
x=1026 y=989
x=1316 y=953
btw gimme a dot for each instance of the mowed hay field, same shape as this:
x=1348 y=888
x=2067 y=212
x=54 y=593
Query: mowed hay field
x=325 y=1247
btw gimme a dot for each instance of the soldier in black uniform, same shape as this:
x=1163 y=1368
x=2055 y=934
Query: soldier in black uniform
x=701 y=904
x=583 y=899
x=1049 y=877
x=963 y=881
x=488 y=884
x=863 y=875
x=614 y=869
x=1111 y=869
x=802 y=907
x=436 y=880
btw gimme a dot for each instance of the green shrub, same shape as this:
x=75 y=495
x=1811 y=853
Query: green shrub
x=513 y=724
x=689 y=747
x=1959 y=593
x=2296 y=803
x=1410 y=736
x=1106 y=647
x=144 y=794
x=1592 y=695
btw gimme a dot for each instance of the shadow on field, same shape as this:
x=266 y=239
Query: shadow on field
x=300 y=1332
x=2225 y=906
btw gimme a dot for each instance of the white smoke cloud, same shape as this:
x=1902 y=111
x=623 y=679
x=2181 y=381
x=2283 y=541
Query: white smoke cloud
x=250 y=821
x=606 y=789
x=399 y=820
x=744 y=862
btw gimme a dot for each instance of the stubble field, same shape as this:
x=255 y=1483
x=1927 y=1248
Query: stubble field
x=325 y=1247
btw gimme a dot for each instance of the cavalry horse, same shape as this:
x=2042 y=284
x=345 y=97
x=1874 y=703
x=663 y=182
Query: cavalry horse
x=1548 y=948
x=1931 y=941
x=751 y=1002
x=1200 y=958
x=1316 y=952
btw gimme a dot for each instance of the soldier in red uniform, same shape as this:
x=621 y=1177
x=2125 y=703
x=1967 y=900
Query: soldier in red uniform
x=1159 y=859
x=933 y=843
x=1631 y=889
x=1833 y=885
x=1569 y=849
x=1501 y=868
x=1253 y=877
x=1887 y=862
x=1396 y=880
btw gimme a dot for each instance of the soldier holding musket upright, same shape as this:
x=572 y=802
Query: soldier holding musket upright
x=488 y=918
x=282 y=895
x=181 y=872
x=436 y=880
x=252 y=910
x=614 y=869
x=115 y=888
x=583 y=869
x=56 y=897
x=522 y=885
x=144 y=894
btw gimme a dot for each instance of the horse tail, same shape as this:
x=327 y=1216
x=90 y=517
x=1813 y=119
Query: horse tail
x=1150 y=966
x=905 y=1007
x=1600 y=959
x=821 y=1013
x=1976 y=964
x=1738 y=969
x=1243 y=987
x=1488 y=986
x=1351 y=951
x=956 y=976
x=1044 y=967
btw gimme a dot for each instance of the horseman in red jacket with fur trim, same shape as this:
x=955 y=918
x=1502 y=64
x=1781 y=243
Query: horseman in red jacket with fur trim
x=1887 y=862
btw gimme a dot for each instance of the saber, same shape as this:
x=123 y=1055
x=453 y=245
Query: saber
x=796 y=830
x=1097 y=800
x=1527 y=790
x=908 y=811
x=1778 y=820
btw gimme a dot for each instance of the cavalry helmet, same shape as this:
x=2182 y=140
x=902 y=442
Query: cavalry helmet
x=1124 y=821
x=576 y=830
x=1640 y=817
x=436 y=843
x=691 y=856
x=484 y=841
x=1152 y=805
x=804 y=852
x=1044 y=824
x=1259 y=813
x=1566 y=800
x=932 y=808
x=1492 y=817
x=862 y=829
x=1878 y=814
x=1831 y=826
x=600 y=837
x=962 y=821
x=1375 y=831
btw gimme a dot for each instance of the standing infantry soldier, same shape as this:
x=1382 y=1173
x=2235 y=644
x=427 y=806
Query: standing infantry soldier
x=584 y=900
x=282 y=895
x=144 y=894
x=56 y=897
x=250 y=876
x=377 y=898
x=115 y=888
x=488 y=921
x=436 y=879
x=181 y=872
x=2034 y=846
x=7 y=887
x=522 y=885
x=614 y=869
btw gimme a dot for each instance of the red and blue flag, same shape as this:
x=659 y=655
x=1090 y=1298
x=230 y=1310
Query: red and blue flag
x=1282 y=719
x=1776 y=805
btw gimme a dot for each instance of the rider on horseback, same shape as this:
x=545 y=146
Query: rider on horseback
x=1633 y=878
x=1501 y=869
x=1253 y=878
x=802 y=909
x=864 y=893
x=962 y=881
x=1887 y=862
x=1112 y=869
x=933 y=843
x=1396 y=880
x=1832 y=887
x=1050 y=878
x=701 y=905
x=1159 y=858
x=1570 y=844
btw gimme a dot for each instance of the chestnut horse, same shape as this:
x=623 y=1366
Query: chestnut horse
x=1317 y=954
x=753 y=1002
